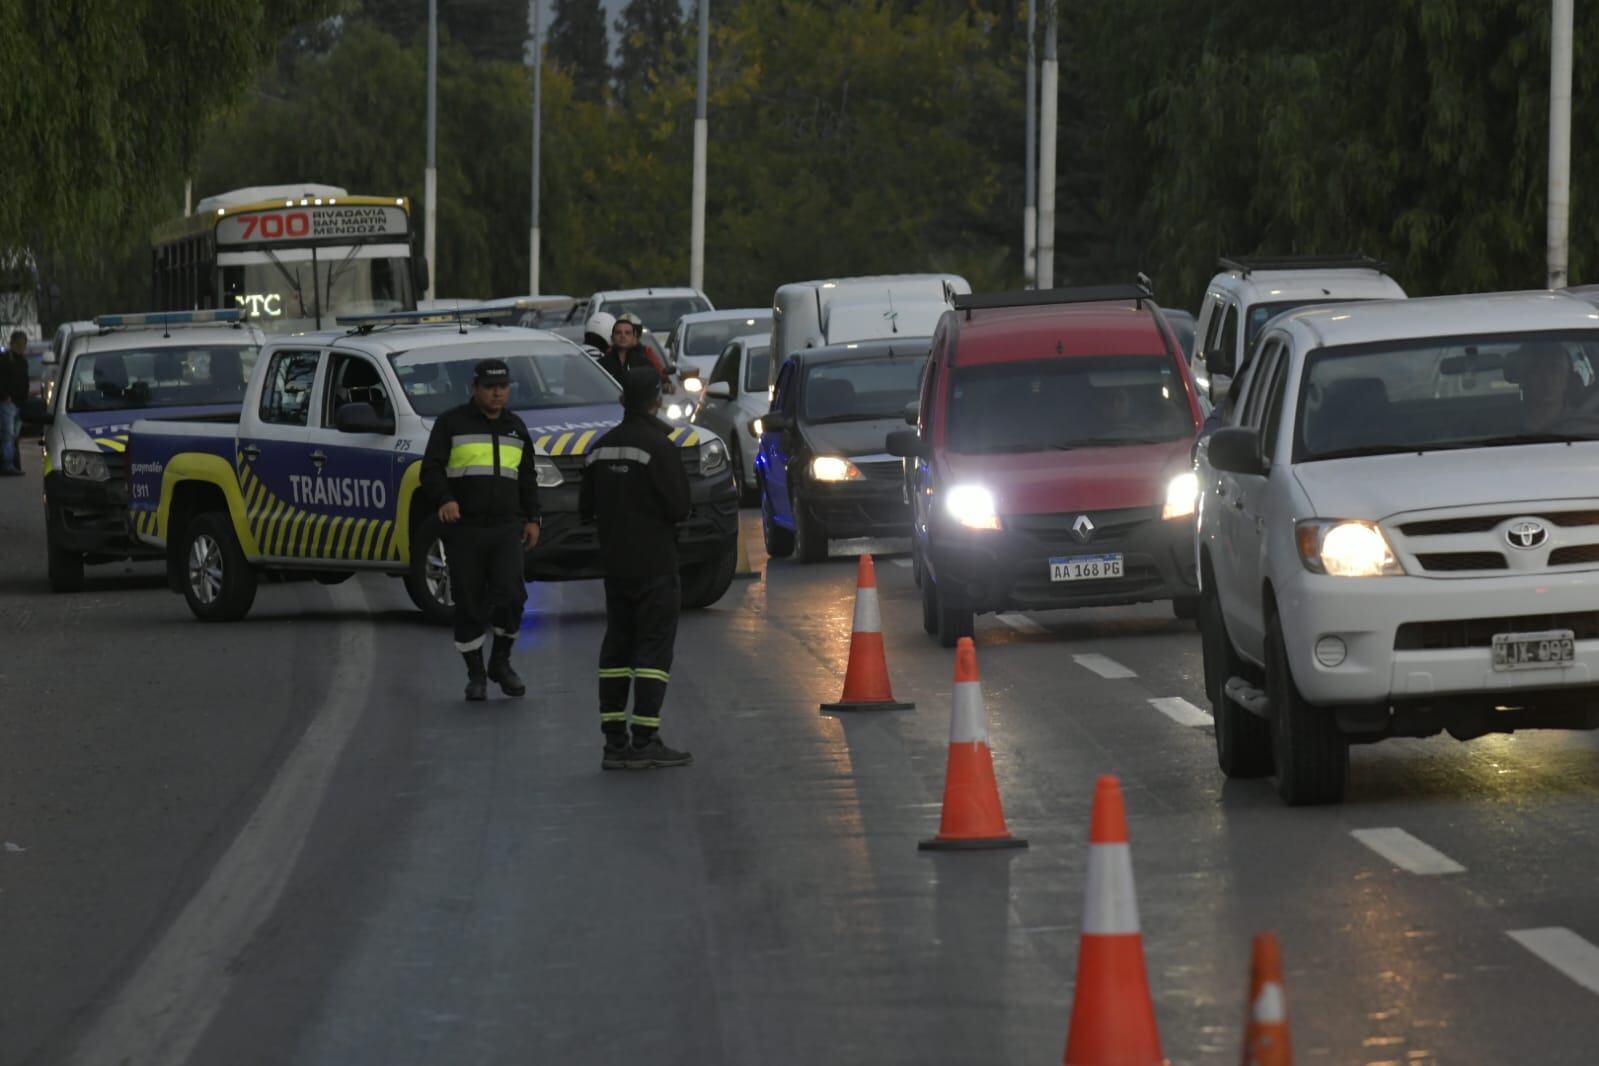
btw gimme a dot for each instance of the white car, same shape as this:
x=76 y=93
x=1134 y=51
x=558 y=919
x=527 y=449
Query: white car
x=698 y=340
x=658 y=308
x=735 y=394
x=1399 y=532
x=1252 y=290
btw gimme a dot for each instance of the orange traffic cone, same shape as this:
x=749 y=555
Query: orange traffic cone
x=1266 y=1041
x=866 y=685
x=1113 y=1019
x=973 y=817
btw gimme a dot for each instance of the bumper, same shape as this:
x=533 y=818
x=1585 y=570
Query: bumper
x=1009 y=569
x=1410 y=639
x=864 y=509
x=90 y=517
x=569 y=550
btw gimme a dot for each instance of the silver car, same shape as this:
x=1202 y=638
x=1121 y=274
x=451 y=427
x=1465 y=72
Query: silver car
x=735 y=393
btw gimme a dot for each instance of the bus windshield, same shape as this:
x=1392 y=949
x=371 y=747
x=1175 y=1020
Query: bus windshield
x=285 y=290
x=175 y=376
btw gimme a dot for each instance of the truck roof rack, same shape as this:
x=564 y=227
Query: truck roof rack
x=1081 y=294
x=1247 y=264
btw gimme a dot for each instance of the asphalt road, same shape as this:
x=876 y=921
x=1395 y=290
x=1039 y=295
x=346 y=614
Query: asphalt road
x=289 y=841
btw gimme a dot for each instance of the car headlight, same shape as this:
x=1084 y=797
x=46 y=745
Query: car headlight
x=756 y=427
x=675 y=411
x=693 y=385
x=1182 y=496
x=1345 y=549
x=713 y=457
x=549 y=474
x=86 y=466
x=972 y=506
x=832 y=468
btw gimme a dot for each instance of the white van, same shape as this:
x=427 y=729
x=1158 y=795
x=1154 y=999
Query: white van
x=808 y=314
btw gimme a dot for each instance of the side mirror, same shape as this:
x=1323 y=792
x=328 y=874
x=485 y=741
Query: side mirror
x=1221 y=387
x=774 y=422
x=362 y=418
x=1236 y=451
x=719 y=390
x=420 y=275
x=907 y=444
x=913 y=412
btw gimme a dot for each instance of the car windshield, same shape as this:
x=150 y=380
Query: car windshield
x=132 y=379
x=861 y=390
x=1262 y=313
x=543 y=376
x=1448 y=392
x=759 y=366
x=709 y=338
x=660 y=313
x=1081 y=402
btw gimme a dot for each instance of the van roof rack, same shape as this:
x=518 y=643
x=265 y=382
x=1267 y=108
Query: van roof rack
x=1080 y=294
x=1247 y=264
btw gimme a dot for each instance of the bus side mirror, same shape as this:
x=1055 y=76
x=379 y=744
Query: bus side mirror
x=419 y=269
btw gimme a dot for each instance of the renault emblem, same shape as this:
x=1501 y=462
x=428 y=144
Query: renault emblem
x=1083 y=528
x=1527 y=534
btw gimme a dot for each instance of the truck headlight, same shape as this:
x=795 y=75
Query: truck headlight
x=713 y=457
x=549 y=474
x=86 y=466
x=1182 y=496
x=1345 y=549
x=972 y=506
x=832 y=468
x=676 y=411
x=693 y=384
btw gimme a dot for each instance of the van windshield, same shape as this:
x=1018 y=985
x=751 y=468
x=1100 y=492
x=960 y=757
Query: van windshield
x=134 y=380
x=543 y=376
x=860 y=391
x=1082 y=402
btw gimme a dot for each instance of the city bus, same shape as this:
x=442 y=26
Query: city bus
x=292 y=257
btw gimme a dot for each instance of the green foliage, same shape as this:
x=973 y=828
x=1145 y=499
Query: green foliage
x=654 y=45
x=489 y=29
x=577 y=42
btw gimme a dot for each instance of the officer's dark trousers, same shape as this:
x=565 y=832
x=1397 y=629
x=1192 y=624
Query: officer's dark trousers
x=486 y=581
x=640 y=629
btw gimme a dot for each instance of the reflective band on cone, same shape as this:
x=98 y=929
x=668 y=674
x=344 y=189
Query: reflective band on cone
x=1266 y=1039
x=866 y=686
x=973 y=817
x=1113 y=1018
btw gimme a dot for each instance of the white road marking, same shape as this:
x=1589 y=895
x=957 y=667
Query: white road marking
x=1104 y=667
x=906 y=563
x=1021 y=623
x=162 y=1011
x=1182 y=712
x=1565 y=951
x=1406 y=852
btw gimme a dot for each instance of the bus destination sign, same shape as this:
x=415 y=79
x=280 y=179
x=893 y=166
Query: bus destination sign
x=297 y=225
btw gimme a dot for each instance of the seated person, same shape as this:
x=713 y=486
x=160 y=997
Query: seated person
x=1543 y=370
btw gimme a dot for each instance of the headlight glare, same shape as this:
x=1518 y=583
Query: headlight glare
x=1182 y=496
x=832 y=468
x=675 y=411
x=549 y=473
x=86 y=466
x=972 y=506
x=713 y=457
x=693 y=385
x=1345 y=549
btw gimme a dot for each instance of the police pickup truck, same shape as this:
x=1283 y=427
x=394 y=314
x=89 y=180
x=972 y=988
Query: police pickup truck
x=319 y=478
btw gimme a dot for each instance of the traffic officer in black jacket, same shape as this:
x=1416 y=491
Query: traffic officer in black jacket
x=636 y=491
x=479 y=469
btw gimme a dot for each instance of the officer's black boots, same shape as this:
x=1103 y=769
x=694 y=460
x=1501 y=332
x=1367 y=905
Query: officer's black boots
x=477 y=681
x=500 y=671
x=651 y=753
x=616 y=748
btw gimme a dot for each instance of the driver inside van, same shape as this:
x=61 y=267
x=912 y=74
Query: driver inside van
x=1543 y=370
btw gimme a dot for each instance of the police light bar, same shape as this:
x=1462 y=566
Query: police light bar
x=171 y=318
x=432 y=317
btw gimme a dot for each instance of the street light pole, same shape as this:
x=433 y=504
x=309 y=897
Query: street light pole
x=1046 y=153
x=1030 y=211
x=430 y=180
x=538 y=119
x=1559 y=140
x=696 y=253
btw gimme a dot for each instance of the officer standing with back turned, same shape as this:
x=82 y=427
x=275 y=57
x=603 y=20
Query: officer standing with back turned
x=479 y=469
x=636 y=491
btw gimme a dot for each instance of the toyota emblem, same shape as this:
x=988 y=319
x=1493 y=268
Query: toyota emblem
x=1083 y=528
x=1526 y=534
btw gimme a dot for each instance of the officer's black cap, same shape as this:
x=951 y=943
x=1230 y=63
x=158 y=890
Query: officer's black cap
x=491 y=372
x=641 y=387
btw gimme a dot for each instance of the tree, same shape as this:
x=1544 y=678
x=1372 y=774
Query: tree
x=489 y=29
x=577 y=43
x=652 y=46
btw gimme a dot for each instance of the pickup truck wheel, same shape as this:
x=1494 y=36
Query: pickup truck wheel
x=1243 y=740
x=218 y=581
x=950 y=624
x=707 y=582
x=1311 y=754
x=929 y=606
x=427 y=580
x=810 y=536
x=64 y=568
x=779 y=541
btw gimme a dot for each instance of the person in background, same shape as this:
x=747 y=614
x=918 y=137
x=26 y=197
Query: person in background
x=13 y=394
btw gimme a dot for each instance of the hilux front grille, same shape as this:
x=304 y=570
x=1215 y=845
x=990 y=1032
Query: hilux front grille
x=1479 y=632
x=1457 y=561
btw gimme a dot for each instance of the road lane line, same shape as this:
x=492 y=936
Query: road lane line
x=1104 y=667
x=1406 y=852
x=906 y=563
x=1565 y=951
x=1021 y=624
x=163 y=1010
x=1182 y=712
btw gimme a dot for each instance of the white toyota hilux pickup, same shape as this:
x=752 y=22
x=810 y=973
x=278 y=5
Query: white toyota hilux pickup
x=1398 y=532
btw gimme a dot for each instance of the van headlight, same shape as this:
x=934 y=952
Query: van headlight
x=85 y=466
x=692 y=384
x=1345 y=549
x=713 y=457
x=549 y=474
x=1182 y=496
x=832 y=468
x=972 y=506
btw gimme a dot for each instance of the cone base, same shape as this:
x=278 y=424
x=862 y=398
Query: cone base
x=971 y=844
x=869 y=705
